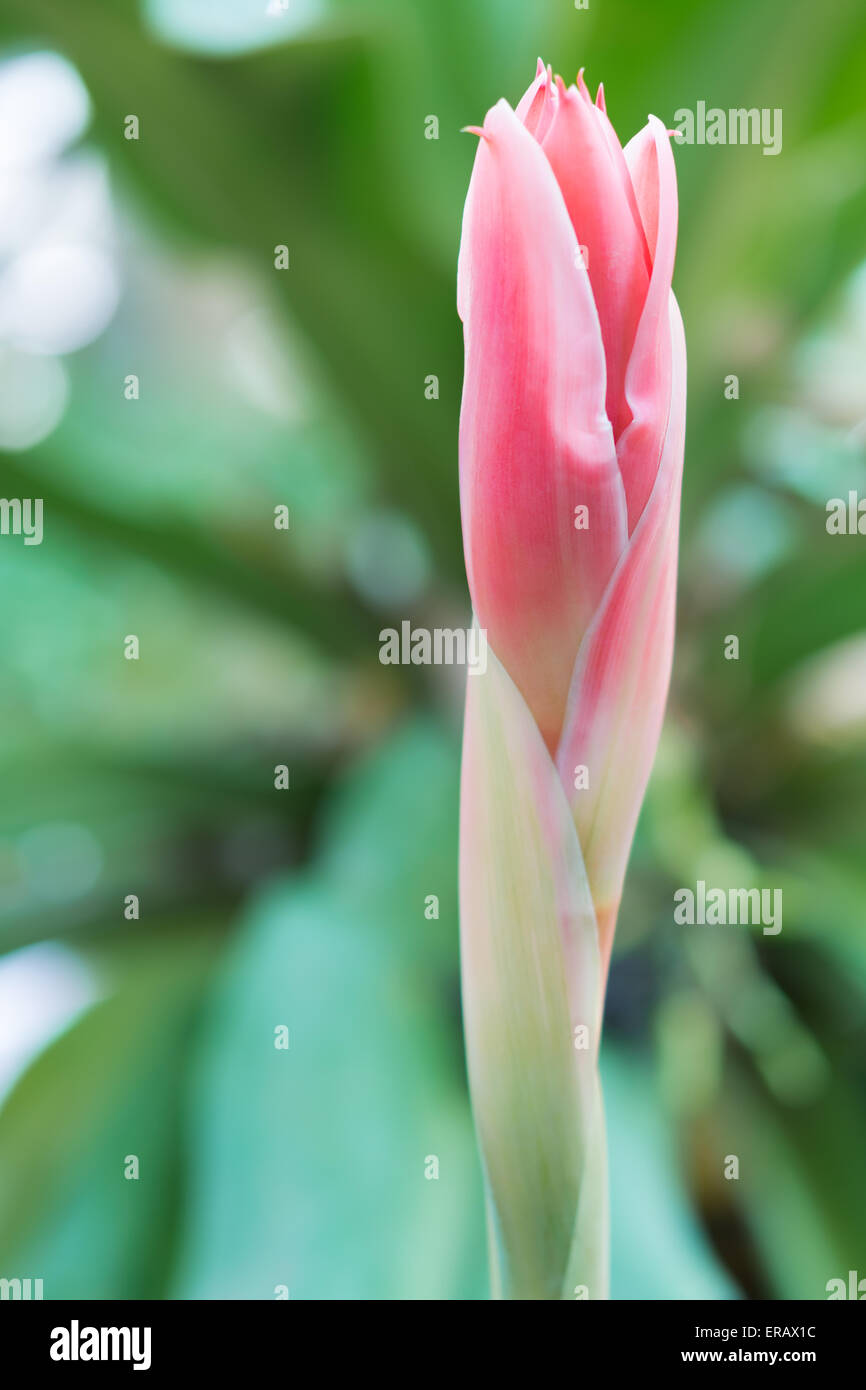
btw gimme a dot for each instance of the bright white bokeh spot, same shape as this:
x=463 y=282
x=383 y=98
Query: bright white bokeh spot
x=231 y=26
x=43 y=989
x=58 y=283
x=60 y=861
x=44 y=107
x=57 y=298
x=77 y=201
x=33 y=396
x=67 y=201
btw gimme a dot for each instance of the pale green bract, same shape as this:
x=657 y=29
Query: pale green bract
x=532 y=1004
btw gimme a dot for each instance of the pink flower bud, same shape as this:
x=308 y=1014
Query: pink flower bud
x=571 y=452
x=571 y=440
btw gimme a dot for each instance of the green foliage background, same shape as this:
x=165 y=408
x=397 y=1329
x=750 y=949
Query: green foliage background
x=261 y=1168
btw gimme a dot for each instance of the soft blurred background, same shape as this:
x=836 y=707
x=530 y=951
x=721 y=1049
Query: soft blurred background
x=303 y=124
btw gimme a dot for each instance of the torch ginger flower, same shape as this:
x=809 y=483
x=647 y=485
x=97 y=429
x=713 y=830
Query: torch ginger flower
x=571 y=451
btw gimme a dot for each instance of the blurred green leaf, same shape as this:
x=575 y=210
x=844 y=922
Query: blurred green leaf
x=310 y=1161
x=109 y=1088
x=658 y=1250
x=799 y=1184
